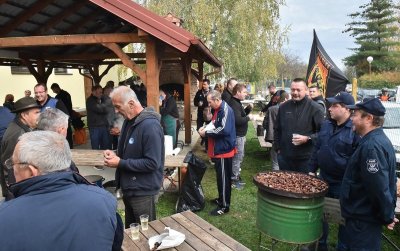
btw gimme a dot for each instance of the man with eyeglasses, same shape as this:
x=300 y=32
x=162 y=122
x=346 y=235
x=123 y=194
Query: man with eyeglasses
x=368 y=191
x=27 y=114
x=54 y=208
x=46 y=101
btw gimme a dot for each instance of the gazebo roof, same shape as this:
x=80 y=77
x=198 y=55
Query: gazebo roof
x=58 y=31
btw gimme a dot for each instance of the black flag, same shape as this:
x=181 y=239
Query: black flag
x=323 y=71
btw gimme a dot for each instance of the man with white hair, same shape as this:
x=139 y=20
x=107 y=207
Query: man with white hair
x=54 y=209
x=53 y=119
x=139 y=159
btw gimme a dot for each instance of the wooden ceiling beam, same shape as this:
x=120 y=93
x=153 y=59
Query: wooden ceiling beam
x=56 y=19
x=89 y=56
x=25 y=15
x=62 y=40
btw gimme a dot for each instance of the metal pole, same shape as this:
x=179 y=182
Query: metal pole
x=369 y=71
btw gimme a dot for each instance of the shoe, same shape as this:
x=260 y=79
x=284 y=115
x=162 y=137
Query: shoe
x=237 y=185
x=219 y=211
x=216 y=202
x=99 y=168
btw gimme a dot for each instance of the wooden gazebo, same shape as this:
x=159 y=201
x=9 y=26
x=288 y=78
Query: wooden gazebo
x=86 y=34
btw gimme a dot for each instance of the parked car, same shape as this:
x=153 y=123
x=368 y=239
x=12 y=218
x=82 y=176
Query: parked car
x=367 y=93
x=391 y=126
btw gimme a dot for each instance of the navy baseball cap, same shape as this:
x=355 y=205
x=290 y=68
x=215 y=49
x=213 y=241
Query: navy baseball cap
x=342 y=97
x=371 y=105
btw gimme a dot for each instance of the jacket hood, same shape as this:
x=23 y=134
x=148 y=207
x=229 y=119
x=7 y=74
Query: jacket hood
x=147 y=113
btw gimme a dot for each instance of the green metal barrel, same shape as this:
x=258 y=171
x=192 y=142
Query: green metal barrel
x=291 y=220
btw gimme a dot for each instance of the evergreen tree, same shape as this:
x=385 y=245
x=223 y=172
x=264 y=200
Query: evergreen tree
x=376 y=30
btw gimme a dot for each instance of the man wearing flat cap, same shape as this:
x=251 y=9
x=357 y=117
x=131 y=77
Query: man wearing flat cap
x=335 y=144
x=368 y=192
x=27 y=113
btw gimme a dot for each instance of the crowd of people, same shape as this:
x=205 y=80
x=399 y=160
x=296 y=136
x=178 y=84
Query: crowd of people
x=344 y=144
x=340 y=141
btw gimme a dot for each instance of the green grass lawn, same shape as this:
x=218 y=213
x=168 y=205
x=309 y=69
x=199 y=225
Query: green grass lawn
x=240 y=222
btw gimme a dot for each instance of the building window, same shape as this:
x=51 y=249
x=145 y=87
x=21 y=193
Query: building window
x=62 y=71
x=19 y=70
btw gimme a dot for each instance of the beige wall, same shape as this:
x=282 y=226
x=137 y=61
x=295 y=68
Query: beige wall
x=16 y=84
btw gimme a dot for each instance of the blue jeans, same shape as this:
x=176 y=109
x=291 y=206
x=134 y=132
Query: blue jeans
x=100 y=138
x=238 y=158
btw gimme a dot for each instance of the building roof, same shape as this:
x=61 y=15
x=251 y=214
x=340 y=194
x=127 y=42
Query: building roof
x=29 y=18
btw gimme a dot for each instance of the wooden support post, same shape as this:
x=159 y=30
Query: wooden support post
x=186 y=68
x=152 y=75
x=354 y=89
x=41 y=74
x=201 y=74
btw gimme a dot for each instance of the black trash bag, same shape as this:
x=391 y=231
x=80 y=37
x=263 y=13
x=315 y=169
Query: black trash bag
x=192 y=196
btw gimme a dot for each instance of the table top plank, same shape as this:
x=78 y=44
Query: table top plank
x=191 y=239
x=90 y=157
x=128 y=244
x=141 y=244
x=200 y=232
x=215 y=232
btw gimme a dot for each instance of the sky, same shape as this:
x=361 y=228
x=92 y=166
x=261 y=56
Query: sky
x=328 y=18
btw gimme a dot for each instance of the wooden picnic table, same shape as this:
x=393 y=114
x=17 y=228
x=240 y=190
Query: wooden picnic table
x=200 y=235
x=89 y=157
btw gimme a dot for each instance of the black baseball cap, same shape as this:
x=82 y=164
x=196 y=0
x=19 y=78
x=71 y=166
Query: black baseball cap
x=371 y=105
x=342 y=97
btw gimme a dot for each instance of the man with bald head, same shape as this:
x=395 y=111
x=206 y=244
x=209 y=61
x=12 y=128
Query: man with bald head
x=297 y=124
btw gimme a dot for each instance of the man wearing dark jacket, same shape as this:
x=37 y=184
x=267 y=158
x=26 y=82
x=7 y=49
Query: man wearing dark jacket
x=200 y=100
x=242 y=117
x=315 y=95
x=140 y=155
x=46 y=101
x=227 y=93
x=335 y=144
x=169 y=115
x=368 y=192
x=27 y=114
x=221 y=147
x=297 y=124
x=97 y=119
x=55 y=209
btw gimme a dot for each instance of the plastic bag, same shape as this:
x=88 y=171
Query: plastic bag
x=192 y=196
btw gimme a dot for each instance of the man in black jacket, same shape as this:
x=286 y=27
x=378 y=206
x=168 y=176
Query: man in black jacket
x=242 y=118
x=200 y=100
x=315 y=95
x=297 y=124
x=227 y=93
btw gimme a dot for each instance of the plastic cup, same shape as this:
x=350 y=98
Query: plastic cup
x=293 y=137
x=135 y=228
x=144 y=221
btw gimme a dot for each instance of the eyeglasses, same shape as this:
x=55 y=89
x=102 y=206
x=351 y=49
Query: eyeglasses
x=9 y=164
x=40 y=92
